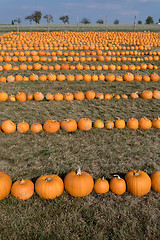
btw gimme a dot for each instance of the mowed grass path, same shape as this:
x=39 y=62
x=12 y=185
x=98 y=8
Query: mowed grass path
x=100 y=152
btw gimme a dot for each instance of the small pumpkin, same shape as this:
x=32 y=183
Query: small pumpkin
x=109 y=124
x=138 y=183
x=117 y=185
x=155 y=181
x=49 y=186
x=22 y=127
x=119 y=123
x=98 y=123
x=156 y=122
x=36 y=127
x=58 y=96
x=101 y=185
x=78 y=183
x=22 y=189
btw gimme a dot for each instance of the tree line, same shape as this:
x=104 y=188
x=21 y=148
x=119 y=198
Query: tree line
x=37 y=15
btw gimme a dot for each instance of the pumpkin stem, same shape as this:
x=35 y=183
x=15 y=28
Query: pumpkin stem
x=103 y=178
x=79 y=171
x=136 y=173
x=118 y=177
x=22 y=181
x=48 y=179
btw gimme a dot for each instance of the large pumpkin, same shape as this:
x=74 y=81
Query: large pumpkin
x=22 y=189
x=8 y=126
x=138 y=183
x=78 y=183
x=5 y=185
x=51 y=126
x=49 y=186
x=68 y=125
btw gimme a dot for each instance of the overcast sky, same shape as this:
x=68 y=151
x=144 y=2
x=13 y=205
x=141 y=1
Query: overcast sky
x=124 y=10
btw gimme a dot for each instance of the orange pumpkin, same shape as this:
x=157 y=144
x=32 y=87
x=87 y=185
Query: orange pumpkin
x=155 y=181
x=119 y=123
x=3 y=96
x=117 y=185
x=78 y=183
x=85 y=124
x=51 y=126
x=36 y=127
x=21 y=96
x=68 y=125
x=38 y=96
x=5 y=185
x=8 y=127
x=101 y=186
x=145 y=123
x=132 y=123
x=22 y=189
x=98 y=124
x=22 y=127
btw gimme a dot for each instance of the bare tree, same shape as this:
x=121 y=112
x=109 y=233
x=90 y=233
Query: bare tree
x=30 y=18
x=49 y=18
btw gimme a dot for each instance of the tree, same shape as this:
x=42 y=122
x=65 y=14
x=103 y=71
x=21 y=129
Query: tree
x=49 y=18
x=12 y=22
x=30 y=18
x=100 y=21
x=64 y=19
x=85 y=21
x=37 y=16
x=149 y=20
x=116 y=21
x=17 y=20
x=139 y=22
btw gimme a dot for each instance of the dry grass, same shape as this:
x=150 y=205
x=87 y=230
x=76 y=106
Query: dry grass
x=100 y=152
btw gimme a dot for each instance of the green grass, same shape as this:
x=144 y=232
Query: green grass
x=100 y=152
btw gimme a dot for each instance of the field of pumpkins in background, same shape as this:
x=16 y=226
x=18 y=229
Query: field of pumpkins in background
x=89 y=99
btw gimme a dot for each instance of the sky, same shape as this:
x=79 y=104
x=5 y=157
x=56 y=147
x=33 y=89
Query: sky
x=123 y=10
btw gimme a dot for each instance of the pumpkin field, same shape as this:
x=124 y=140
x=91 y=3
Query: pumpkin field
x=80 y=119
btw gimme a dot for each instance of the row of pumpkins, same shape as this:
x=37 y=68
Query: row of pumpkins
x=78 y=95
x=79 y=66
x=79 y=184
x=128 y=77
x=84 y=124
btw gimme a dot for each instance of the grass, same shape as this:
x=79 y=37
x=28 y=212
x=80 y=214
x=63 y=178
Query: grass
x=100 y=152
x=81 y=27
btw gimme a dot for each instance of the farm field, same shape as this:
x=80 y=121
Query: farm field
x=100 y=152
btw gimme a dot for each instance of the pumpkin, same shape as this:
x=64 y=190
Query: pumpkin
x=58 y=97
x=98 y=124
x=156 y=122
x=22 y=127
x=101 y=185
x=49 y=186
x=134 y=95
x=138 y=183
x=155 y=181
x=128 y=77
x=154 y=77
x=84 y=124
x=146 y=94
x=12 y=98
x=68 y=97
x=78 y=183
x=132 y=123
x=68 y=125
x=5 y=185
x=21 y=96
x=8 y=126
x=90 y=94
x=30 y=97
x=108 y=96
x=79 y=96
x=110 y=77
x=156 y=94
x=117 y=185
x=51 y=126
x=36 y=127
x=38 y=96
x=119 y=123
x=109 y=124
x=100 y=96
x=3 y=96
x=22 y=189
x=145 y=123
